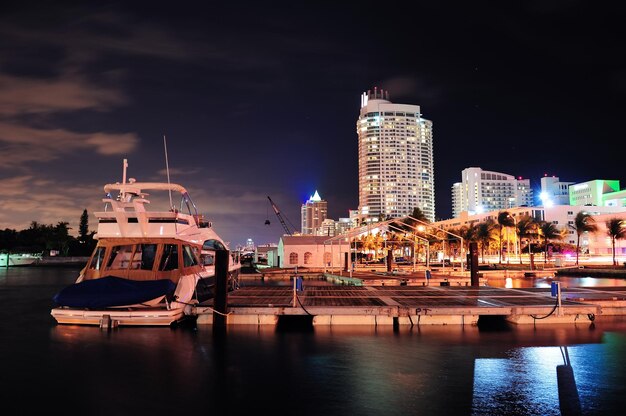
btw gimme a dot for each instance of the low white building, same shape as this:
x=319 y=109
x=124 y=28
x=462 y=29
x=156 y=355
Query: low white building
x=310 y=251
x=562 y=216
x=262 y=250
x=600 y=244
x=273 y=258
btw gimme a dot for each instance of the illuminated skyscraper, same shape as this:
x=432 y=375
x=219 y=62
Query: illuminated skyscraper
x=483 y=191
x=396 y=167
x=313 y=213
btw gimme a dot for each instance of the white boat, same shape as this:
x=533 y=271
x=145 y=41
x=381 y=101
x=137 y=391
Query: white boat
x=150 y=266
x=19 y=259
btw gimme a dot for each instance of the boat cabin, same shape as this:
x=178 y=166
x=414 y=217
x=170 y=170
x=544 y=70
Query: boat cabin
x=143 y=259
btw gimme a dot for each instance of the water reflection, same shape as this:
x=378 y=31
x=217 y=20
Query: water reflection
x=456 y=370
x=327 y=370
x=517 y=281
x=569 y=400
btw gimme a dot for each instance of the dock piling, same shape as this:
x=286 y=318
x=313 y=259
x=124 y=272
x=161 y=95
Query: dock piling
x=221 y=288
x=474 y=263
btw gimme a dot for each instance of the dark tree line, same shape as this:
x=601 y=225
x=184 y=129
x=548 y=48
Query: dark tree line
x=42 y=238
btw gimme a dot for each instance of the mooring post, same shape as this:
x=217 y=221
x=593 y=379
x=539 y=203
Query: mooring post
x=221 y=288
x=474 y=263
x=295 y=296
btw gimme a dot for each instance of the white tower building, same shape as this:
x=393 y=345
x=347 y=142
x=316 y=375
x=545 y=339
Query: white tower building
x=482 y=191
x=396 y=166
x=313 y=213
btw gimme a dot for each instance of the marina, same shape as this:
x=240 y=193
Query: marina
x=408 y=300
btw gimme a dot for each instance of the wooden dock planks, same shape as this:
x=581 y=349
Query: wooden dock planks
x=450 y=304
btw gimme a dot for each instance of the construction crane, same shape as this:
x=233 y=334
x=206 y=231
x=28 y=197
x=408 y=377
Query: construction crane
x=280 y=217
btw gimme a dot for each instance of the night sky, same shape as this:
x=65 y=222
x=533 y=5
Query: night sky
x=259 y=100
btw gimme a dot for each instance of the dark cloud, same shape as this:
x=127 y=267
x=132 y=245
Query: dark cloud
x=262 y=100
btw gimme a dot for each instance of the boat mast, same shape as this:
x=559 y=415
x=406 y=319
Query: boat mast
x=167 y=169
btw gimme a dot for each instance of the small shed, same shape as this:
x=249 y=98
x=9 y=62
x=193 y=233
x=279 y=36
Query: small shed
x=311 y=251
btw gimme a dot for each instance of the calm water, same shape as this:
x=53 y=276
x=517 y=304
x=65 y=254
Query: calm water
x=431 y=370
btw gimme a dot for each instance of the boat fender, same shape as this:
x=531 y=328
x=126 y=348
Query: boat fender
x=188 y=310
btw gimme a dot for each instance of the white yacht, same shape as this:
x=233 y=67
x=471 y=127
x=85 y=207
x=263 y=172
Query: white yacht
x=150 y=265
x=19 y=259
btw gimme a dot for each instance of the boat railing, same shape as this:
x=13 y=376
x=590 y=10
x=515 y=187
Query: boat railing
x=201 y=221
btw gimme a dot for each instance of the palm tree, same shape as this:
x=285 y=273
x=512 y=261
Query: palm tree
x=419 y=214
x=484 y=234
x=468 y=232
x=549 y=231
x=616 y=229
x=583 y=222
x=526 y=228
x=505 y=220
x=454 y=242
x=371 y=244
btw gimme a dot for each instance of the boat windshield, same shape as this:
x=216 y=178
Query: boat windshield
x=141 y=261
x=169 y=259
x=186 y=202
x=98 y=258
x=213 y=245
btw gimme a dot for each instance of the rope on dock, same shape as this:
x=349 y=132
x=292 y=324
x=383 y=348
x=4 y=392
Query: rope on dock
x=301 y=305
x=218 y=312
x=556 y=305
x=208 y=307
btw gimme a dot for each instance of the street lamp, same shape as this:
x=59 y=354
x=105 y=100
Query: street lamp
x=414 y=242
x=445 y=231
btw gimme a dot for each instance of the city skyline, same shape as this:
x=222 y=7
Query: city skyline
x=257 y=101
x=396 y=172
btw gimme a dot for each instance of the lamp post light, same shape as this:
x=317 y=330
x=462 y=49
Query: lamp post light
x=415 y=238
x=422 y=229
x=445 y=231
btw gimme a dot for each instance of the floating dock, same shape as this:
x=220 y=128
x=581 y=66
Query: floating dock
x=428 y=303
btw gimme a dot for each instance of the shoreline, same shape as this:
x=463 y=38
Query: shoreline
x=60 y=262
x=592 y=272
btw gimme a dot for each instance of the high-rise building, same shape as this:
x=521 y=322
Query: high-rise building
x=482 y=191
x=396 y=166
x=313 y=213
x=553 y=191
x=592 y=192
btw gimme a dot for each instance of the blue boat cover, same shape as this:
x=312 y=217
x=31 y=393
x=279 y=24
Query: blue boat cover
x=112 y=291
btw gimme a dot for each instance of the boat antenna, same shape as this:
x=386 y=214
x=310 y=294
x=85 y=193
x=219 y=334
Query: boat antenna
x=124 y=166
x=167 y=169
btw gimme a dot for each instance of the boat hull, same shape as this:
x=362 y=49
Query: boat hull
x=119 y=317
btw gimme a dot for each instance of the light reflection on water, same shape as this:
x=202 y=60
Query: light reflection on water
x=517 y=281
x=339 y=370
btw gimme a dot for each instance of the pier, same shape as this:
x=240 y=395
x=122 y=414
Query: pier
x=385 y=299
